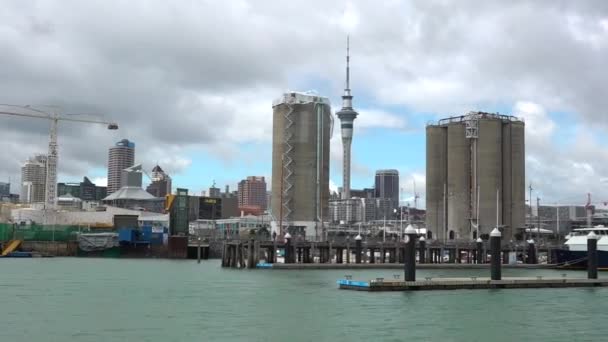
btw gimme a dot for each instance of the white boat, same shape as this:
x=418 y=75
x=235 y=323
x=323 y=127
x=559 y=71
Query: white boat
x=577 y=239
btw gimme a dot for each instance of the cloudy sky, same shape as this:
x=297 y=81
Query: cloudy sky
x=192 y=82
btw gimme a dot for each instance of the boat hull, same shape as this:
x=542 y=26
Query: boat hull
x=578 y=259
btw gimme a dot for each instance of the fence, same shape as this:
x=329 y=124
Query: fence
x=34 y=232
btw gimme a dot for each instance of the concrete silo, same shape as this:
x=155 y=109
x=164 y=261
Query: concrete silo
x=302 y=127
x=484 y=179
x=436 y=178
x=458 y=193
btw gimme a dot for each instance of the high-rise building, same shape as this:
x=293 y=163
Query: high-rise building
x=161 y=183
x=475 y=176
x=252 y=193
x=5 y=189
x=120 y=157
x=85 y=190
x=347 y=117
x=302 y=126
x=387 y=187
x=33 y=179
x=363 y=193
x=215 y=191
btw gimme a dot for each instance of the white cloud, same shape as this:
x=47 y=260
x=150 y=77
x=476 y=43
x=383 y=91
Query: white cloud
x=100 y=181
x=375 y=118
x=182 y=79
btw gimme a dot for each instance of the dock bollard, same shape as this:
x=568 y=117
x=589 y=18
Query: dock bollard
x=409 y=258
x=531 y=252
x=288 y=248
x=495 y=265
x=479 y=244
x=592 y=255
x=358 y=247
x=422 y=250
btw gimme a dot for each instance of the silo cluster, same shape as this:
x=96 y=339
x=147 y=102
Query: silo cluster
x=475 y=176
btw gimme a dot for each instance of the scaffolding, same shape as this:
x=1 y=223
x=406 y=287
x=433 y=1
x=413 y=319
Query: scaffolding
x=287 y=159
x=471 y=124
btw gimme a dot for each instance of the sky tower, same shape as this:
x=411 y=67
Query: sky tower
x=347 y=116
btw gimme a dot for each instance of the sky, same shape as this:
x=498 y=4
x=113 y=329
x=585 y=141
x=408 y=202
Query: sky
x=192 y=83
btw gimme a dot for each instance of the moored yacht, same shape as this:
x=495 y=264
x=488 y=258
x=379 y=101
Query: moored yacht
x=575 y=253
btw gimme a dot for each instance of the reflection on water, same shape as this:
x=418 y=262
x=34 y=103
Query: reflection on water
x=63 y=299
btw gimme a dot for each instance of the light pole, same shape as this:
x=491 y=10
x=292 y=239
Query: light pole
x=400 y=220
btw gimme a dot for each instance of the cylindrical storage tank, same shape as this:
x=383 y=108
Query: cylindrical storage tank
x=278 y=134
x=436 y=177
x=489 y=152
x=459 y=177
x=518 y=176
x=507 y=180
x=308 y=129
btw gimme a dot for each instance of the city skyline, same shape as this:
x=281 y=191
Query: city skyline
x=411 y=84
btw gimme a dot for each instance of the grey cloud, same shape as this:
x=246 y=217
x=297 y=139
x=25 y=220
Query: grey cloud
x=200 y=74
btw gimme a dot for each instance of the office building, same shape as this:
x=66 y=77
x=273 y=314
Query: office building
x=33 y=179
x=161 y=183
x=475 y=176
x=120 y=157
x=5 y=189
x=85 y=190
x=252 y=193
x=387 y=187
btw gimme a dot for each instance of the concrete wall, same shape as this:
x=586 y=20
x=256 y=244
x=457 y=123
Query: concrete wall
x=50 y=248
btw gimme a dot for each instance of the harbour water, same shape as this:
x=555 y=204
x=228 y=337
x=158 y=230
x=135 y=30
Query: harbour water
x=80 y=299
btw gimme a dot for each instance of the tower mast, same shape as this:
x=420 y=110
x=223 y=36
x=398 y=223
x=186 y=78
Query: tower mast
x=347 y=117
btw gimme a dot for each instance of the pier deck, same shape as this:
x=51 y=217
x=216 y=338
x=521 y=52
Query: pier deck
x=380 y=284
x=396 y=266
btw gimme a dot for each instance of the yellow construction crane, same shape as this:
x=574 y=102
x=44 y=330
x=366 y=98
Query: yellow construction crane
x=51 y=164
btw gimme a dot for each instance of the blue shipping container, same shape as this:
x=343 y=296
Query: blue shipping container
x=127 y=235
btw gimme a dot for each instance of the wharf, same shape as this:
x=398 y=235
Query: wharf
x=396 y=266
x=472 y=283
x=345 y=254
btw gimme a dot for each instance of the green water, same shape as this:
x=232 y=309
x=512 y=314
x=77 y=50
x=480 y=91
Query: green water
x=77 y=299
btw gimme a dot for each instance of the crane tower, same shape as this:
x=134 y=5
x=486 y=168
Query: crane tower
x=52 y=158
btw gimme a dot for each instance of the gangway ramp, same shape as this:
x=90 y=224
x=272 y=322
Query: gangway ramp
x=11 y=247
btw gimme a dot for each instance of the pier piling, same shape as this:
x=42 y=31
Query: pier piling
x=495 y=237
x=288 y=252
x=410 y=253
x=532 y=259
x=479 y=251
x=592 y=255
x=358 y=244
x=250 y=256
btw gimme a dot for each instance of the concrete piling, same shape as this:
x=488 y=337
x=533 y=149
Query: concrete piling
x=495 y=265
x=198 y=250
x=288 y=252
x=358 y=247
x=592 y=255
x=422 y=250
x=479 y=251
x=532 y=259
x=347 y=252
x=410 y=253
x=250 y=256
